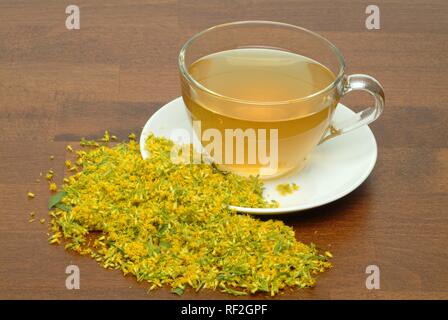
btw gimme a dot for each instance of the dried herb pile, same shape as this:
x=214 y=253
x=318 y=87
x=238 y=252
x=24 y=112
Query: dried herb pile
x=169 y=224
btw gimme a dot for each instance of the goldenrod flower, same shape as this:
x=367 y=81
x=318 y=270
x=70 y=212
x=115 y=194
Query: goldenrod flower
x=53 y=187
x=49 y=175
x=170 y=224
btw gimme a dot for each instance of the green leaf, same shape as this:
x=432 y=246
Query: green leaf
x=151 y=248
x=162 y=229
x=221 y=276
x=63 y=207
x=165 y=244
x=54 y=200
x=179 y=291
x=234 y=292
x=278 y=247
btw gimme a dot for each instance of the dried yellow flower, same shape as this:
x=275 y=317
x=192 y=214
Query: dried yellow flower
x=53 y=187
x=49 y=175
x=30 y=195
x=68 y=164
x=170 y=224
x=88 y=143
x=106 y=137
x=286 y=188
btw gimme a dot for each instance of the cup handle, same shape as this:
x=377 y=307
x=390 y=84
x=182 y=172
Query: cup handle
x=365 y=83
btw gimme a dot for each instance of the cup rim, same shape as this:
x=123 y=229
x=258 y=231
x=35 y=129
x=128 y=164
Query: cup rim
x=184 y=71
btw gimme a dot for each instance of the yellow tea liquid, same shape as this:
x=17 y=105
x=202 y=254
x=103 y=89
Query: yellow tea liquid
x=255 y=88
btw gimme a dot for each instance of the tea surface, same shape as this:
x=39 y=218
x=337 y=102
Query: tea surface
x=263 y=89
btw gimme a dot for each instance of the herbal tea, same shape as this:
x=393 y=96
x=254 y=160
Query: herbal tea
x=254 y=88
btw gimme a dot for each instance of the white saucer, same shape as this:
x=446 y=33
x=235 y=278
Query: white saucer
x=334 y=169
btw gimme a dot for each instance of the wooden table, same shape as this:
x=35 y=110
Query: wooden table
x=57 y=85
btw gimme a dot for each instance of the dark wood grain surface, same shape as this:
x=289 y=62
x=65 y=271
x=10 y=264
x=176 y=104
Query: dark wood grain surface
x=58 y=85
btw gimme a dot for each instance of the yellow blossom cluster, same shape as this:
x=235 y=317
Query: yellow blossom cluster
x=170 y=224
